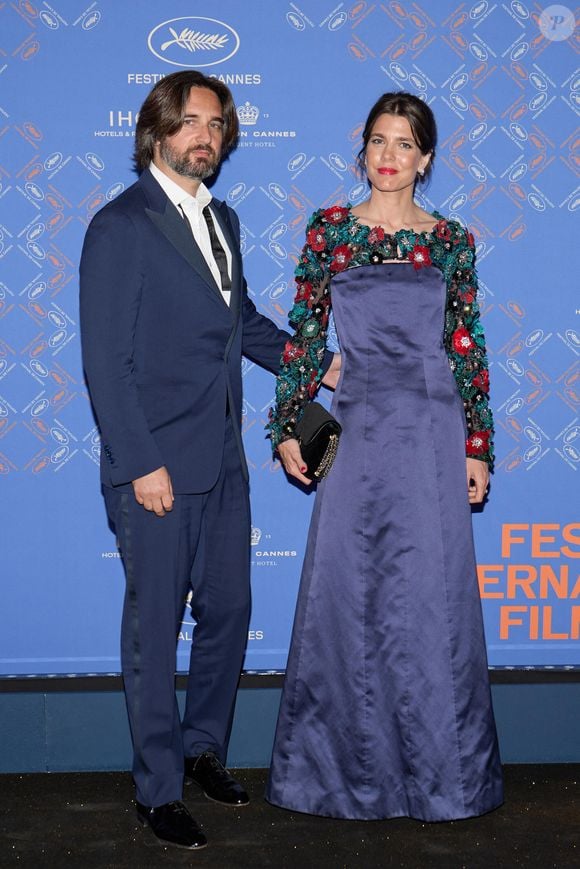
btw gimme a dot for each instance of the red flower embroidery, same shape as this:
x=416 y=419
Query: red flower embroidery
x=336 y=214
x=419 y=256
x=443 y=230
x=292 y=352
x=342 y=255
x=313 y=385
x=462 y=341
x=303 y=291
x=470 y=239
x=482 y=380
x=316 y=239
x=477 y=443
x=467 y=295
x=376 y=234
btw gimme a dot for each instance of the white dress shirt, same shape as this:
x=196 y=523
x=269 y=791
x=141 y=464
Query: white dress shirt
x=192 y=207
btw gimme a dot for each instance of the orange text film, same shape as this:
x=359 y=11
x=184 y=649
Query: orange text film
x=538 y=582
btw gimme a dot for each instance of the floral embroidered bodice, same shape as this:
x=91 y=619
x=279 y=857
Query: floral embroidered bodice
x=335 y=241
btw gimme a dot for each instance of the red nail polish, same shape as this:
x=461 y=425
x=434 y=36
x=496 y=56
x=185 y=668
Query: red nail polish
x=302 y=470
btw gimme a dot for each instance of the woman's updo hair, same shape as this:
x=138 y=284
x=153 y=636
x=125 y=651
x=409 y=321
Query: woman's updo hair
x=420 y=117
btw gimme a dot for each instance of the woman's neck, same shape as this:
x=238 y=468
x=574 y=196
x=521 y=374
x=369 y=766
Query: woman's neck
x=392 y=211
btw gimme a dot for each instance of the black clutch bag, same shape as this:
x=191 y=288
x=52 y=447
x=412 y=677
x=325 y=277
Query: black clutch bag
x=318 y=434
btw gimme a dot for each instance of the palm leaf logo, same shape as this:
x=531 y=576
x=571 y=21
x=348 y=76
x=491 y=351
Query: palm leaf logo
x=195 y=40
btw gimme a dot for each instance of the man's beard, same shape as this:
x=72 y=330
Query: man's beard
x=199 y=170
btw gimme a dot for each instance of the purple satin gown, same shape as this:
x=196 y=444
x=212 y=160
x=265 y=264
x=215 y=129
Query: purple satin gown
x=386 y=709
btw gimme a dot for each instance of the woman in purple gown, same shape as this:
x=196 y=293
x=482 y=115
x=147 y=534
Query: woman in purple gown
x=386 y=709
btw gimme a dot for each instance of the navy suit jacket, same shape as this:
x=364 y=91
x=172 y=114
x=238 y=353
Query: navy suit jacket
x=161 y=349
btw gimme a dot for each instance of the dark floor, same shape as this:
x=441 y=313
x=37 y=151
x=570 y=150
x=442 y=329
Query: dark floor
x=87 y=820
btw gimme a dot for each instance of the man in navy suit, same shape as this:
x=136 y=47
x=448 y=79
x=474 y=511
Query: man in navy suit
x=165 y=319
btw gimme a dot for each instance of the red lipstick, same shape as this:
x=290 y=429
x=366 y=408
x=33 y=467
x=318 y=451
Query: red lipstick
x=386 y=171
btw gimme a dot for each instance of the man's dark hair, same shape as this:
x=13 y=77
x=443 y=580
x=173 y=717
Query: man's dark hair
x=162 y=112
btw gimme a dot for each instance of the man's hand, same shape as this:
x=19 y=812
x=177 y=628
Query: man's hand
x=330 y=379
x=292 y=460
x=154 y=491
x=477 y=480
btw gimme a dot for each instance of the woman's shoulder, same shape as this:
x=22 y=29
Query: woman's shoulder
x=333 y=216
x=453 y=230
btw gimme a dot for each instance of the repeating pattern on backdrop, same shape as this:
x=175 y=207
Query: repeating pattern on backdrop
x=504 y=83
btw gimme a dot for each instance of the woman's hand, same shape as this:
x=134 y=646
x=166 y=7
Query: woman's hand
x=477 y=480
x=330 y=379
x=291 y=457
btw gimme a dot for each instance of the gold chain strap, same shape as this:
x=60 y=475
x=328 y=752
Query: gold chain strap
x=328 y=458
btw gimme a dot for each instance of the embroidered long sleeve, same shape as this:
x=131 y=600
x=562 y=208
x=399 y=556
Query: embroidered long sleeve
x=464 y=342
x=336 y=241
x=301 y=371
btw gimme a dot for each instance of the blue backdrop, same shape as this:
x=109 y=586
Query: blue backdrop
x=503 y=81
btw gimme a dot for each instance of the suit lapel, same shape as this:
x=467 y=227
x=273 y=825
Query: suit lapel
x=177 y=231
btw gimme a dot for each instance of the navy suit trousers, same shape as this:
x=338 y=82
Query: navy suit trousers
x=202 y=545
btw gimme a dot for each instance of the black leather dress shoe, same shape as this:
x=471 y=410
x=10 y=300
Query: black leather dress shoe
x=215 y=781
x=172 y=824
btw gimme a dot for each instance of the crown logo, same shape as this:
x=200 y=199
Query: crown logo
x=248 y=114
x=256 y=536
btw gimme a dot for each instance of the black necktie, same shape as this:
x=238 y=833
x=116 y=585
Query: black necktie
x=218 y=251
